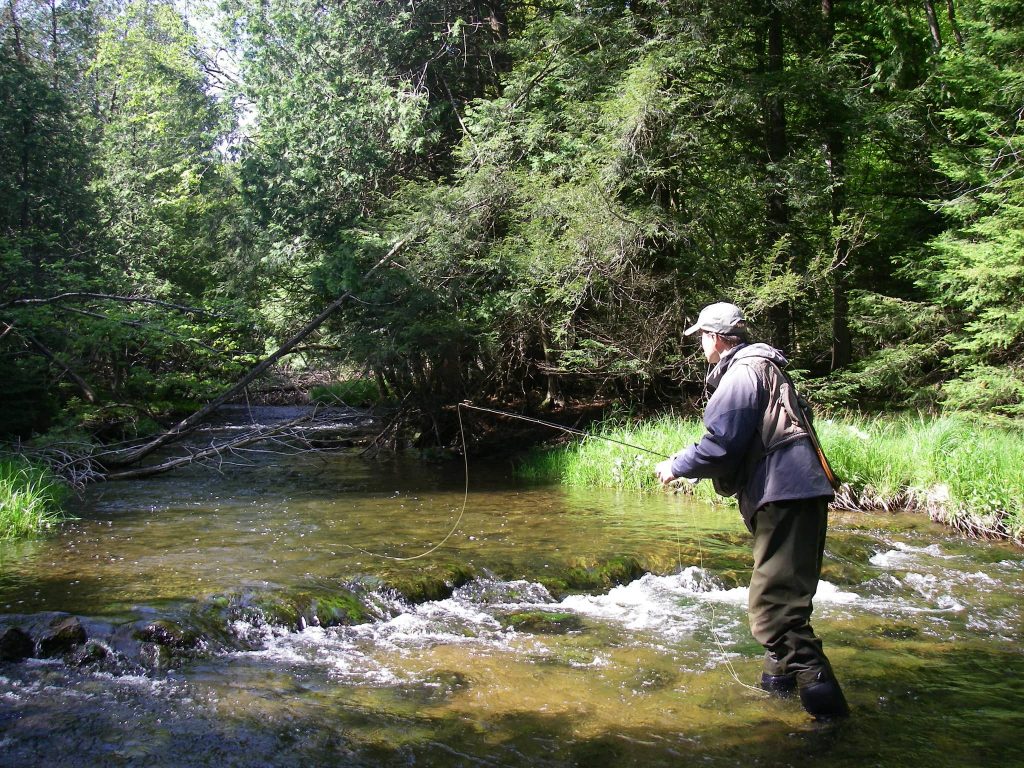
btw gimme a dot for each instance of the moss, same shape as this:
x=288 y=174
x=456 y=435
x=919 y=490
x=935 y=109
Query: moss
x=168 y=633
x=331 y=609
x=542 y=622
x=438 y=584
x=596 y=578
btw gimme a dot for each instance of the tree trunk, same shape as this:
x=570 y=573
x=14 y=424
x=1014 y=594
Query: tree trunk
x=776 y=148
x=19 y=51
x=951 y=13
x=554 y=397
x=55 y=41
x=933 y=25
x=835 y=159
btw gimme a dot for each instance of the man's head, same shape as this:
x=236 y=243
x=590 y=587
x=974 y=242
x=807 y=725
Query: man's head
x=722 y=327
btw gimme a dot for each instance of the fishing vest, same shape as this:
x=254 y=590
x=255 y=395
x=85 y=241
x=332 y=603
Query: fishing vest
x=782 y=422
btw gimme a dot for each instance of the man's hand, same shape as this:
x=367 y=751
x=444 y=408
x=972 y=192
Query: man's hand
x=663 y=471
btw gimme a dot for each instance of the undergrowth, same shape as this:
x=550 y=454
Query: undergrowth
x=30 y=499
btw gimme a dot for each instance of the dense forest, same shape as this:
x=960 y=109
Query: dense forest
x=521 y=200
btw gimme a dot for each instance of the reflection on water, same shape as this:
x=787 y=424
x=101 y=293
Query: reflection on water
x=923 y=629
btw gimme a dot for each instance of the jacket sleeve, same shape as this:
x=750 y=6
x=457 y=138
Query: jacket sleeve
x=731 y=421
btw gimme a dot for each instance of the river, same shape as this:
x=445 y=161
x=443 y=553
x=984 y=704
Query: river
x=552 y=627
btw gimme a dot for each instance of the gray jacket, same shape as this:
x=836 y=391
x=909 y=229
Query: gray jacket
x=756 y=446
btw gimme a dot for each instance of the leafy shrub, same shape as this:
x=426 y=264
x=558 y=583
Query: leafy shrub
x=986 y=388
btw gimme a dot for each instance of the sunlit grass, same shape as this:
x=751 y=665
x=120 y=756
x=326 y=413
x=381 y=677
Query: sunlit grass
x=966 y=472
x=30 y=499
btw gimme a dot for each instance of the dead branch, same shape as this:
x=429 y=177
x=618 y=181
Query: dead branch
x=46 y=352
x=73 y=295
x=183 y=427
x=215 y=449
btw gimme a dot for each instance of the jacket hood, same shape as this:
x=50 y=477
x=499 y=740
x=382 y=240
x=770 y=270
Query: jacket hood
x=742 y=351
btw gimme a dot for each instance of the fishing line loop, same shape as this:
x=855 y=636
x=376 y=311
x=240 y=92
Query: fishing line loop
x=586 y=435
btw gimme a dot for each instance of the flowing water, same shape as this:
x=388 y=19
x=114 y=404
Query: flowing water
x=514 y=663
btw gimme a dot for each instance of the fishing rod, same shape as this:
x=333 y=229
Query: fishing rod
x=571 y=430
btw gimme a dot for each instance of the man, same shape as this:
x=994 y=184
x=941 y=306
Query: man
x=757 y=447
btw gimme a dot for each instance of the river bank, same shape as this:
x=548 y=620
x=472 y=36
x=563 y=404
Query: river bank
x=963 y=471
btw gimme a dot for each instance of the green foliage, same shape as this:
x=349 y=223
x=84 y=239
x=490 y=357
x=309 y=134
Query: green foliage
x=604 y=462
x=30 y=499
x=357 y=393
x=564 y=186
x=156 y=130
x=975 y=269
x=619 y=181
x=983 y=469
x=111 y=249
x=986 y=388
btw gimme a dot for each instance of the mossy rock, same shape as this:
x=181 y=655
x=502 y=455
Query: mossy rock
x=542 y=622
x=732 y=579
x=895 y=631
x=62 y=635
x=169 y=634
x=847 y=560
x=272 y=608
x=438 y=584
x=852 y=547
x=597 y=578
x=213 y=619
x=329 y=609
x=329 y=606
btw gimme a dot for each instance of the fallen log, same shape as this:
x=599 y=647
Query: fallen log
x=126 y=458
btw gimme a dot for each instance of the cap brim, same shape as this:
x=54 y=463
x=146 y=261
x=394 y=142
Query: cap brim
x=691 y=330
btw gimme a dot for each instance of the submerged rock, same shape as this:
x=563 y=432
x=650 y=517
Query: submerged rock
x=62 y=636
x=15 y=644
x=168 y=633
x=543 y=622
x=439 y=583
x=596 y=578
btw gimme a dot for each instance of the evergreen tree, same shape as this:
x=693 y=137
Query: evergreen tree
x=976 y=269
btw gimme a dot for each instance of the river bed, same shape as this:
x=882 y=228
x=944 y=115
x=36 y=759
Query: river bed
x=515 y=664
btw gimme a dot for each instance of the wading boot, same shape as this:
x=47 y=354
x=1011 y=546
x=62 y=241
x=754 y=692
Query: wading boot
x=779 y=685
x=823 y=699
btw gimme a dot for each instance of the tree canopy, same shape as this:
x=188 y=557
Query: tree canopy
x=561 y=187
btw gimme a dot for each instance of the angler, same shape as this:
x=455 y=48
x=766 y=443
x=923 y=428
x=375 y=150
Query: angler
x=760 y=446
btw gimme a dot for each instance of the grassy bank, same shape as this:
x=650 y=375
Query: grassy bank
x=964 y=472
x=30 y=499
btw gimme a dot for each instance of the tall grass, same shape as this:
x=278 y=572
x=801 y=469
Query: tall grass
x=30 y=499
x=962 y=470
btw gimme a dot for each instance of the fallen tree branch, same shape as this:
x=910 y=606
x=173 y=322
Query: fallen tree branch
x=50 y=355
x=215 y=449
x=183 y=427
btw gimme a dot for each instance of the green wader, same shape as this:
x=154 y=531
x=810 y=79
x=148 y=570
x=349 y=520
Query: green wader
x=789 y=540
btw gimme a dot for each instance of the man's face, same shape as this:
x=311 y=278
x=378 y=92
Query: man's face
x=712 y=345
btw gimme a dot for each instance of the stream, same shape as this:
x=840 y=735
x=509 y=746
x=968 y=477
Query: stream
x=309 y=610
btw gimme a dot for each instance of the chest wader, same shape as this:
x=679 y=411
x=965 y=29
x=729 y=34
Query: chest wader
x=789 y=543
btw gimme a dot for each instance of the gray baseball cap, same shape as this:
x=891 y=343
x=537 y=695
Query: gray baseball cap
x=722 y=317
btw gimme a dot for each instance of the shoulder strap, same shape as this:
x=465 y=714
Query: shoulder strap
x=805 y=421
